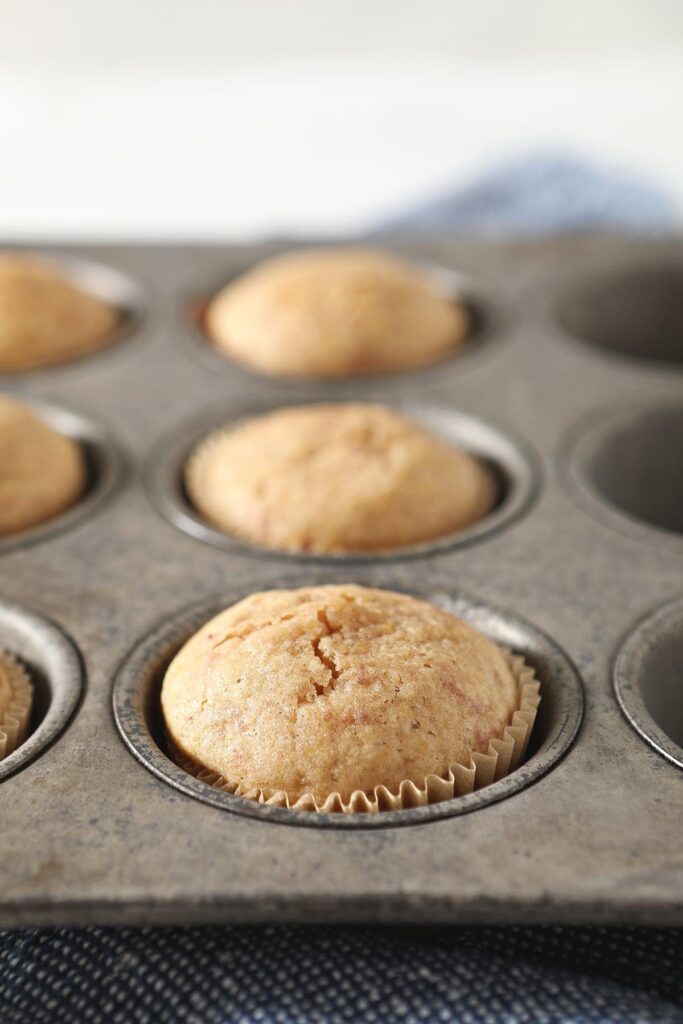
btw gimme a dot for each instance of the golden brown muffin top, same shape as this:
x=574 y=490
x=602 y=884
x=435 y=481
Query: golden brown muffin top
x=41 y=471
x=335 y=312
x=44 y=318
x=336 y=478
x=335 y=689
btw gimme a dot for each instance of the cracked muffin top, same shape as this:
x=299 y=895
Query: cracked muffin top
x=334 y=689
x=336 y=478
x=41 y=471
x=44 y=318
x=335 y=312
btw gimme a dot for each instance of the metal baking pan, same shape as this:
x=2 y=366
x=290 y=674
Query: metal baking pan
x=571 y=391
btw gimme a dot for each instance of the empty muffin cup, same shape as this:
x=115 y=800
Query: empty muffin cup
x=635 y=312
x=625 y=464
x=648 y=679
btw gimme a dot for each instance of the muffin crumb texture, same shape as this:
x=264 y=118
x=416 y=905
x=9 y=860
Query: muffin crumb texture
x=336 y=478
x=335 y=312
x=335 y=689
x=44 y=318
x=42 y=472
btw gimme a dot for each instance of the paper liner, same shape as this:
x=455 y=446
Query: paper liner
x=503 y=756
x=16 y=701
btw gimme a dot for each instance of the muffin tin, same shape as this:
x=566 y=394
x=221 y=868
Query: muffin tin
x=579 y=569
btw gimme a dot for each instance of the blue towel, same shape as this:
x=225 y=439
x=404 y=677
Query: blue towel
x=341 y=976
x=546 y=192
x=372 y=976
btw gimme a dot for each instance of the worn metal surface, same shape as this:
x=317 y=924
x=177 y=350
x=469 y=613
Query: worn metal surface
x=88 y=833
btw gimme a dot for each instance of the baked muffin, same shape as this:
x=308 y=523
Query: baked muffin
x=333 y=313
x=16 y=700
x=44 y=318
x=336 y=478
x=41 y=471
x=335 y=689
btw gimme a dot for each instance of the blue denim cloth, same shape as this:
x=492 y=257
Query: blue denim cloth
x=546 y=192
x=364 y=976
x=341 y=976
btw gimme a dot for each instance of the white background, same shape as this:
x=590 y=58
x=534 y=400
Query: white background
x=214 y=118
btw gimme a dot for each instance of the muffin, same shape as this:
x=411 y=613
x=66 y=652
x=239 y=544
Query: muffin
x=335 y=690
x=42 y=472
x=44 y=318
x=16 y=699
x=336 y=478
x=333 y=313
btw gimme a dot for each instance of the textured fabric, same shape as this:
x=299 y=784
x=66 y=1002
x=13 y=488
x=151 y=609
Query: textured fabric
x=311 y=976
x=541 y=193
x=325 y=976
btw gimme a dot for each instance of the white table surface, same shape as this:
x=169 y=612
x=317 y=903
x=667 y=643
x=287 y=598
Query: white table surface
x=214 y=119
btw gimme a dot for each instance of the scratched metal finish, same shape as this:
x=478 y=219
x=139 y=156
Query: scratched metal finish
x=89 y=834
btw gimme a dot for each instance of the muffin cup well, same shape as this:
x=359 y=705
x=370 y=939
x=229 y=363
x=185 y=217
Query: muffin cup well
x=104 y=467
x=622 y=463
x=488 y=310
x=633 y=311
x=115 y=287
x=510 y=462
x=137 y=709
x=46 y=656
x=647 y=679
x=501 y=758
x=16 y=701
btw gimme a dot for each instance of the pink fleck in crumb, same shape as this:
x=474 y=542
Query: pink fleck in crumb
x=358 y=718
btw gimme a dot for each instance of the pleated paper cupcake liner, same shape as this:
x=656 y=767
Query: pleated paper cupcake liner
x=503 y=756
x=16 y=702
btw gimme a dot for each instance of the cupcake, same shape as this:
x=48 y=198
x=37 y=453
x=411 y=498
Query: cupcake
x=334 y=313
x=16 y=699
x=42 y=472
x=44 y=317
x=343 y=698
x=334 y=479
